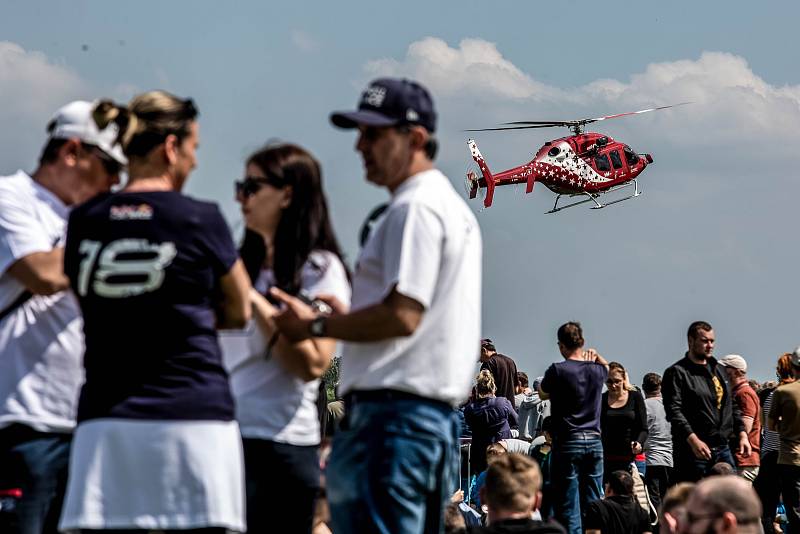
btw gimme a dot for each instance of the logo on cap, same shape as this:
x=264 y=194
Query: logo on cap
x=374 y=95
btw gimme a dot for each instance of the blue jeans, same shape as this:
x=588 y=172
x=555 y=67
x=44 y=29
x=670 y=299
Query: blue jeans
x=691 y=469
x=393 y=467
x=36 y=463
x=576 y=471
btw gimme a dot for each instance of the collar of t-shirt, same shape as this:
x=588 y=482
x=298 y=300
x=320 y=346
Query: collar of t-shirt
x=413 y=181
x=48 y=196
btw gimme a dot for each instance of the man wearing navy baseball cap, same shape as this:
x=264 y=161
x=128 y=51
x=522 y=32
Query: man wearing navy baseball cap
x=397 y=121
x=413 y=330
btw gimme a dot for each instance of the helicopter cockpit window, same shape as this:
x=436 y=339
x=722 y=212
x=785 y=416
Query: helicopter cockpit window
x=631 y=156
x=615 y=159
x=601 y=163
x=553 y=152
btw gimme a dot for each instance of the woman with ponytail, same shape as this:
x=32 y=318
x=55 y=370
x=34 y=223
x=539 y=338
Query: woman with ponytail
x=156 y=273
x=290 y=245
x=489 y=417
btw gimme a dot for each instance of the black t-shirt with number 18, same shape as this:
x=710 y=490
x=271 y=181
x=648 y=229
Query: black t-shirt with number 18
x=145 y=267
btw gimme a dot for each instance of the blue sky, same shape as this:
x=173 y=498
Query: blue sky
x=713 y=237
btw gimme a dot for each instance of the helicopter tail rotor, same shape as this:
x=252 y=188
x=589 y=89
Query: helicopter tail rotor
x=488 y=178
x=472 y=181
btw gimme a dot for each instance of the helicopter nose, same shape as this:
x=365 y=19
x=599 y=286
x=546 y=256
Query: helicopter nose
x=649 y=158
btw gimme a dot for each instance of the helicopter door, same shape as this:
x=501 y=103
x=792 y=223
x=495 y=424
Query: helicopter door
x=616 y=160
x=602 y=165
x=617 y=163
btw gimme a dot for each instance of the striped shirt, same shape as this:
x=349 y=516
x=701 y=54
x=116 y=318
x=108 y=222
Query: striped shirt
x=770 y=440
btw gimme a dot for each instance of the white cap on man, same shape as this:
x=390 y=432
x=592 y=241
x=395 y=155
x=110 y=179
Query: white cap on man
x=734 y=361
x=75 y=121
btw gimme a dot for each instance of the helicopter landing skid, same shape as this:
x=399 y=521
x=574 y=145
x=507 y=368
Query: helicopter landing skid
x=592 y=197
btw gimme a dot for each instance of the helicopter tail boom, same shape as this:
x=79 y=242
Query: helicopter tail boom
x=488 y=178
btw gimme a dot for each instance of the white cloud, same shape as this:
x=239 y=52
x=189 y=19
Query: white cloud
x=476 y=66
x=304 y=41
x=732 y=103
x=32 y=87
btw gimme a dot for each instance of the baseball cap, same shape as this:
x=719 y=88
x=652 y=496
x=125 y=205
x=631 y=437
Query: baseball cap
x=75 y=121
x=796 y=357
x=389 y=102
x=486 y=341
x=734 y=361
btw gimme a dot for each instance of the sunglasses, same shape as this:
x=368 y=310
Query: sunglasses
x=111 y=166
x=253 y=184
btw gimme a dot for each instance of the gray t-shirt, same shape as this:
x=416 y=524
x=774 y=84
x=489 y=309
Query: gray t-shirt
x=658 y=447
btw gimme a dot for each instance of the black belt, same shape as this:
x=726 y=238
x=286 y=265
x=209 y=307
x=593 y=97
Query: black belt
x=389 y=395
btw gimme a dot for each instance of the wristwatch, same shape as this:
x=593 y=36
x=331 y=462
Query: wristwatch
x=318 y=326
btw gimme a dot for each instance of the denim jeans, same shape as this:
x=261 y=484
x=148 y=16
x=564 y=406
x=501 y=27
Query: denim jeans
x=576 y=470
x=393 y=467
x=36 y=463
x=689 y=468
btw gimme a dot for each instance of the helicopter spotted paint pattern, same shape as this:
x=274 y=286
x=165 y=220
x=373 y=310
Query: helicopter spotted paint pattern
x=585 y=164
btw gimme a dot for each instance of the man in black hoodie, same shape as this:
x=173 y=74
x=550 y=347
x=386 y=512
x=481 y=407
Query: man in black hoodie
x=512 y=493
x=697 y=399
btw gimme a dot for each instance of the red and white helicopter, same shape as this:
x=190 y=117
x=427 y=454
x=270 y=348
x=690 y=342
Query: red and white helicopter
x=585 y=164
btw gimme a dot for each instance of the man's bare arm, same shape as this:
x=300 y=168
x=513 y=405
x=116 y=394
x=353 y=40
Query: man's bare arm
x=396 y=316
x=42 y=273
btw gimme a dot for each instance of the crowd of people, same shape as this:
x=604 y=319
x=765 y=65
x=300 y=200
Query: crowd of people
x=155 y=376
x=617 y=457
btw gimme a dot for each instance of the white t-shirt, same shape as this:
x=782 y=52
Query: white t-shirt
x=272 y=403
x=427 y=244
x=41 y=342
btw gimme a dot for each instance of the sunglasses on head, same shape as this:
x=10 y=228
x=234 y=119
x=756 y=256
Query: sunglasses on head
x=111 y=166
x=253 y=184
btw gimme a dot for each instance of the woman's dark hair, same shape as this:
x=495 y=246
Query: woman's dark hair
x=305 y=225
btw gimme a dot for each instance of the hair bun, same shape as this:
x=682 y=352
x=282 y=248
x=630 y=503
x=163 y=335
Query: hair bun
x=105 y=112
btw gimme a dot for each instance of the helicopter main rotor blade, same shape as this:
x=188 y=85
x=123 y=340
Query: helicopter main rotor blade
x=597 y=119
x=544 y=124
x=512 y=128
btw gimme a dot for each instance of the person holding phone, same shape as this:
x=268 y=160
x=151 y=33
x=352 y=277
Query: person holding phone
x=290 y=245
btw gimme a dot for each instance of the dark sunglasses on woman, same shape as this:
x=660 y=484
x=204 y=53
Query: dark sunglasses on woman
x=253 y=184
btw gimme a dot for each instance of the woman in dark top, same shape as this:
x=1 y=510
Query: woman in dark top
x=156 y=273
x=623 y=420
x=490 y=419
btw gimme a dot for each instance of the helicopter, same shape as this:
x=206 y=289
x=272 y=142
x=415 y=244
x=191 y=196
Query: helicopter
x=584 y=164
